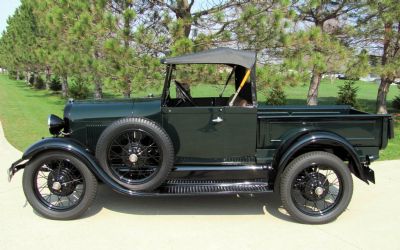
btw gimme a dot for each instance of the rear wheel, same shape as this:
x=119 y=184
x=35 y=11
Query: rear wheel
x=316 y=187
x=59 y=186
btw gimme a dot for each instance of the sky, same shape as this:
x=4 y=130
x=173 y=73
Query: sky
x=7 y=8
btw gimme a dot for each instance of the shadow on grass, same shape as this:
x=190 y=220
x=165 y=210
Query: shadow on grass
x=30 y=92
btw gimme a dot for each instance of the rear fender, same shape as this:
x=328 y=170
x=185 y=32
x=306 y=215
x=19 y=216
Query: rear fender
x=323 y=140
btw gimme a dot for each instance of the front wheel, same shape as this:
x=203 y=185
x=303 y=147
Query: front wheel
x=316 y=187
x=59 y=186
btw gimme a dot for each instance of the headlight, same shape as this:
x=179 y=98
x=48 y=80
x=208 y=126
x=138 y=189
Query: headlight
x=56 y=124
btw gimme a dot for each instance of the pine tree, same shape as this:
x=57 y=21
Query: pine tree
x=118 y=49
x=57 y=51
x=262 y=26
x=321 y=48
x=185 y=29
x=74 y=40
x=19 y=42
x=380 y=25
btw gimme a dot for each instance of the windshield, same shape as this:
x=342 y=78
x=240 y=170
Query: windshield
x=204 y=80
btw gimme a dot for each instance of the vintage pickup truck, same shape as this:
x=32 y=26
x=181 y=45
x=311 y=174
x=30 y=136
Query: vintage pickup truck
x=184 y=145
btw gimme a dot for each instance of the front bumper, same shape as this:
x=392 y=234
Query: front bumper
x=15 y=167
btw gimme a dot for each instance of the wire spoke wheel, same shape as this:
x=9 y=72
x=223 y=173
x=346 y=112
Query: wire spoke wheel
x=58 y=184
x=317 y=190
x=134 y=156
x=136 y=153
x=316 y=187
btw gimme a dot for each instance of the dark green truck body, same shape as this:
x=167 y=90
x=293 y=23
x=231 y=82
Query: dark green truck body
x=367 y=133
x=248 y=136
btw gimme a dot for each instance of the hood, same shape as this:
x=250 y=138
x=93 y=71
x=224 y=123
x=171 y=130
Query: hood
x=111 y=109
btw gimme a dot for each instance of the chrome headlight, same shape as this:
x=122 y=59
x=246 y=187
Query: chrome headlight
x=56 y=124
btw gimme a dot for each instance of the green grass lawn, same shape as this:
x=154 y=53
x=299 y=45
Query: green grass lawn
x=24 y=111
x=297 y=95
x=328 y=93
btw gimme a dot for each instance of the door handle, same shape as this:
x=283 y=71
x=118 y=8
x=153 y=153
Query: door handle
x=217 y=120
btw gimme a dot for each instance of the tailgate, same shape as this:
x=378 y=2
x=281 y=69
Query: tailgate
x=391 y=127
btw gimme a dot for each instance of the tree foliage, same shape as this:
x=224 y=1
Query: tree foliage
x=347 y=94
x=117 y=44
x=276 y=96
x=321 y=47
x=19 y=44
x=379 y=28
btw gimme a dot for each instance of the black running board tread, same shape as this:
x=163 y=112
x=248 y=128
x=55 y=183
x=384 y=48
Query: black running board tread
x=194 y=187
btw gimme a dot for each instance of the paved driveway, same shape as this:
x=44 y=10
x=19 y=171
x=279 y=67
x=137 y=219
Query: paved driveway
x=372 y=220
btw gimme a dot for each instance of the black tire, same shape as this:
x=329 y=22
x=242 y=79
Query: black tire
x=71 y=166
x=152 y=131
x=304 y=175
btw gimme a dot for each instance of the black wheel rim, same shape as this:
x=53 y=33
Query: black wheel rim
x=317 y=190
x=134 y=156
x=58 y=184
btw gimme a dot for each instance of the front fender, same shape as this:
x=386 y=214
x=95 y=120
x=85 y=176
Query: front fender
x=77 y=149
x=56 y=143
x=323 y=139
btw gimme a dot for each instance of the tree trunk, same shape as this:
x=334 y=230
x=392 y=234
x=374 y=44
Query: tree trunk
x=183 y=12
x=127 y=38
x=127 y=94
x=64 y=86
x=98 y=86
x=27 y=76
x=98 y=89
x=383 y=90
x=48 y=77
x=35 y=78
x=312 y=96
x=128 y=88
x=18 y=75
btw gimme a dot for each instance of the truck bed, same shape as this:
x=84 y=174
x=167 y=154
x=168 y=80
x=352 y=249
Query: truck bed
x=366 y=132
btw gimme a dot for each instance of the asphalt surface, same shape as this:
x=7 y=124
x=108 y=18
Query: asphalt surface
x=219 y=222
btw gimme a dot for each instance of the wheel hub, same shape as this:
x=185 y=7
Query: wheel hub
x=61 y=183
x=56 y=186
x=133 y=158
x=316 y=187
x=133 y=151
x=319 y=191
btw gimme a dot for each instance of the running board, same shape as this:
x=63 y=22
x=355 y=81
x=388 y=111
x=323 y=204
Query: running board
x=199 y=187
x=218 y=172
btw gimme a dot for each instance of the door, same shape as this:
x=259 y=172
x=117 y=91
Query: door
x=240 y=133
x=211 y=135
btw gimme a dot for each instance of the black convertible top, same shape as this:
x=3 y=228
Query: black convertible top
x=245 y=58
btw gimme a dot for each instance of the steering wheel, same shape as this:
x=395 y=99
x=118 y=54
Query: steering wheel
x=185 y=94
